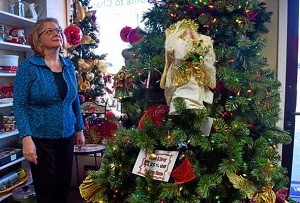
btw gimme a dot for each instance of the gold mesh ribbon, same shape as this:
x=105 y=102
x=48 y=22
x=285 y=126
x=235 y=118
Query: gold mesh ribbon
x=89 y=189
x=243 y=184
x=264 y=195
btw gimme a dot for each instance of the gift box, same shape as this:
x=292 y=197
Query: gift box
x=8 y=155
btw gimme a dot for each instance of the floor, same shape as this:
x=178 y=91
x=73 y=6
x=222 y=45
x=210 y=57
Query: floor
x=74 y=196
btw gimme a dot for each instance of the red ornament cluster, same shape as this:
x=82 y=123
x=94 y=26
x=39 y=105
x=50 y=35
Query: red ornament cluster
x=133 y=36
x=73 y=34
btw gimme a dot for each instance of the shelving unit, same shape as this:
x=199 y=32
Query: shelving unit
x=12 y=20
x=12 y=163
x=28 y=182
x=2 y=105
x=7 y=74
x=14 y=46
x=8 y=134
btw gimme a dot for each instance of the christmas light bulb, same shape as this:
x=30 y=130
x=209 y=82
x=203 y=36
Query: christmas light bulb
x=112 y=165
x=153 y=155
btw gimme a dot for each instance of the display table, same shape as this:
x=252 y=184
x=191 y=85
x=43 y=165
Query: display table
x=88 y=149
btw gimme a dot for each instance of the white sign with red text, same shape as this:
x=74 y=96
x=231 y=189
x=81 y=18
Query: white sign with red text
x=159 y=165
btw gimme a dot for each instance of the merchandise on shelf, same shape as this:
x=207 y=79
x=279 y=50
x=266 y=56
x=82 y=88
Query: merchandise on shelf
x=9 y=63
x=16 y=35
x=11 y=178
x=16 y=7
x=3 y=34
x=9 y=123
x=6 y=91
x=8 y=155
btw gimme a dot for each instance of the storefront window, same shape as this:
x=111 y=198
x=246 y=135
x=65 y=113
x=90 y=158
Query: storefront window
x=112 y=16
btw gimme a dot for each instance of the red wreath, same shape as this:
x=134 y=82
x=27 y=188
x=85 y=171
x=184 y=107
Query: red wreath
x=156 y=114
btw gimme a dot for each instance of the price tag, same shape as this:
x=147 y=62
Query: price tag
x=13 y=157
x=159 y=165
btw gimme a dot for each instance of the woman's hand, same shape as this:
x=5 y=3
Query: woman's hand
x=29 y=149
x=80 y=139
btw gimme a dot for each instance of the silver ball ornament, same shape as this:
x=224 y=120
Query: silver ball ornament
x=90 y=76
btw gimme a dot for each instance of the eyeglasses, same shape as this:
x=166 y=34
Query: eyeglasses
x=50 y=32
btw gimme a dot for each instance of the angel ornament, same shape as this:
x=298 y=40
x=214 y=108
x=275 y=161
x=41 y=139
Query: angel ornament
x=189 y=71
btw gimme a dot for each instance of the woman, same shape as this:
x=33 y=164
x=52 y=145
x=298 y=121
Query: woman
x=47 y=111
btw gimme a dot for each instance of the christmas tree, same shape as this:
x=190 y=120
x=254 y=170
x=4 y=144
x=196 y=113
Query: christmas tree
x=216 y=139
x=91 y=69
x=82 y=35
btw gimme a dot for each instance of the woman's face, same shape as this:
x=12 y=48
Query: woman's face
x=50 y=36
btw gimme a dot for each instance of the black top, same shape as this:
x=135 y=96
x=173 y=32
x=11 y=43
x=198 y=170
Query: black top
x=61 y=84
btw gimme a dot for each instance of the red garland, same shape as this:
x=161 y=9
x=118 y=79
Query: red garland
x=155 y=113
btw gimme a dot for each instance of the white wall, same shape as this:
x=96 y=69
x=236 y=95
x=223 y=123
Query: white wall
x=276 y=49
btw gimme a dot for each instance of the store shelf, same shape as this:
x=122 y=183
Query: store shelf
x=8 y=134
x=4 y=197
x=10 y=21
x=14 y=46
x=2 y=105
x=12 y=163
x=7 y=74
x=14 y=20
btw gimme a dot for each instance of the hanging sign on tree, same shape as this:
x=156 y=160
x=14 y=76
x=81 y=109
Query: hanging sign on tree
x=159 y=164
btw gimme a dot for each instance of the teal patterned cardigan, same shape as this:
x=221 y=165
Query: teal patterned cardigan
x=38 y=108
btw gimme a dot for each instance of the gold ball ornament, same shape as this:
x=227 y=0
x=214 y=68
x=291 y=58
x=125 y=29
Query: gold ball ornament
x=85 y=86
x=101 y=65
x=85 y=66
x=87 y=39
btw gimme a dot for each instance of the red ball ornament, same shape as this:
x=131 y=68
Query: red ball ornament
x=170 y=5
x=219 y=87
x=250 y=125
x=251 y=15
x=73 y=34
x=135 y=36
x=110 y=115
x=124 y=33
x=190 y=7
